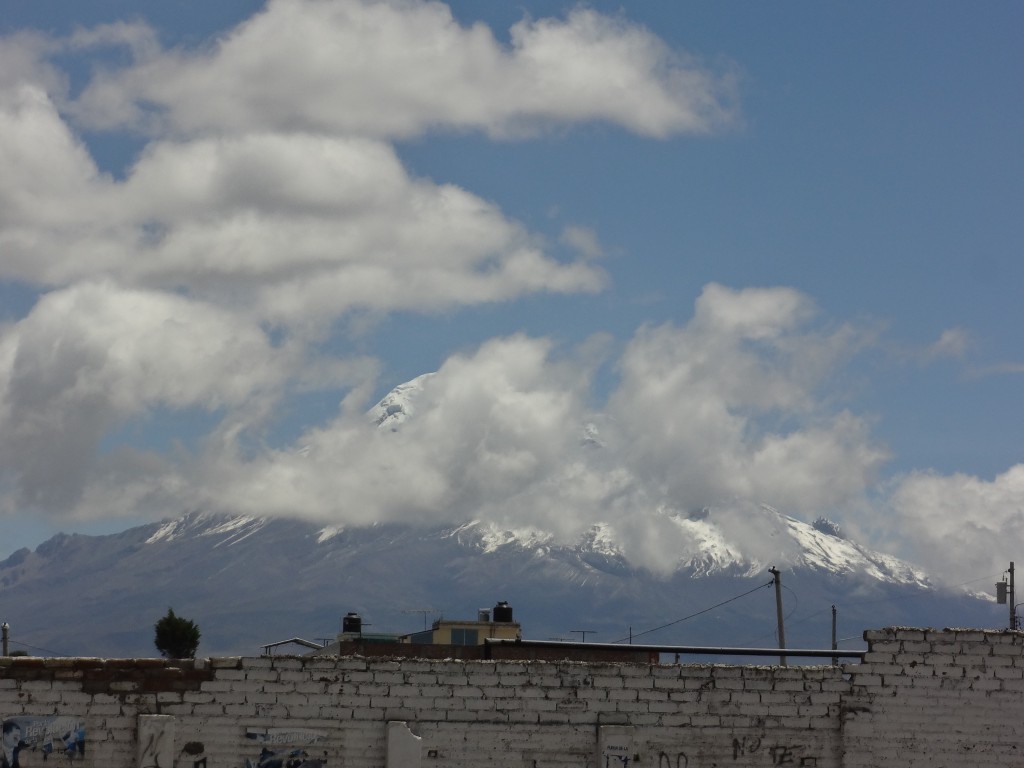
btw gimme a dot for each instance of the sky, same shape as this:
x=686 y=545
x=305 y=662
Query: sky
x=658 y=257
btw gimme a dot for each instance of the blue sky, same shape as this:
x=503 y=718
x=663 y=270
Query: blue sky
x=770 y=253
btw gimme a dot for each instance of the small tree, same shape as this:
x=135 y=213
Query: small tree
x=176 y=637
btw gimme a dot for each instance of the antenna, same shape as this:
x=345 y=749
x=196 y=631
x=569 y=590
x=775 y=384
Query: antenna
x=425 y=612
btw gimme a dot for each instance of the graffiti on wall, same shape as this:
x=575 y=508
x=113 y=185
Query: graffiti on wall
x=29 y=741
x=156 y=741
x=777 y=753
x=286 y=748
x=746 y=750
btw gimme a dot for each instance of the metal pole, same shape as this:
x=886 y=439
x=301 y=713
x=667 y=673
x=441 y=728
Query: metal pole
x=1013 y=604
x=6 y=638
x=778 y=611
x=835 y=643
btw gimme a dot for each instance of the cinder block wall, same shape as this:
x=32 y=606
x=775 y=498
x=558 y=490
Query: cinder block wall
x=922 y=697
x=930 y=698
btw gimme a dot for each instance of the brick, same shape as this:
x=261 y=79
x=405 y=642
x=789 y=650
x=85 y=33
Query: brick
x=904 y=706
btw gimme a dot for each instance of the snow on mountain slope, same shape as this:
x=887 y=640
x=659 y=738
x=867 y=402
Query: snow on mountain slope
x=232 y=529
x=830 y=552
x=399 y=404
x=248 y=581
x=706 y=549
x=731 y=537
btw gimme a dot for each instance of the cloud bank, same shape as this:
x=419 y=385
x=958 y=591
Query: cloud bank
x=267 y=209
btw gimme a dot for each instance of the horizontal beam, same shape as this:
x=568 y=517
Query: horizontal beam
x=687 y=649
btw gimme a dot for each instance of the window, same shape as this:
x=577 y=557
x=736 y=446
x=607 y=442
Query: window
x=464 y=636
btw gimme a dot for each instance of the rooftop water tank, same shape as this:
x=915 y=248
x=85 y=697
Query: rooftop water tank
x=352 y=624
x=503 y=613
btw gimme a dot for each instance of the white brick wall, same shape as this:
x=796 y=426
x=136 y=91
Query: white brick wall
x=928 y=698
x=921 y=698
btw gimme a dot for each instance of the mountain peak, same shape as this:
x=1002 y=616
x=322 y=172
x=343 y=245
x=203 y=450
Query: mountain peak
x=398 y=404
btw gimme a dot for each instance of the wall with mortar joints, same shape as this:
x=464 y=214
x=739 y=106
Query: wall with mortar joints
x=921 y=697
x=928 y=697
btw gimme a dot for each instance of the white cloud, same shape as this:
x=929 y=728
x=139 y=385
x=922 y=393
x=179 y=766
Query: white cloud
x=699 y=406
x=952 y=343
x=24 y=59
x=397 y=69
x=500 y=434
x=583 y=240
x=927 y=514
x=296 y=229
x=490 y=428
x=266 y=204
x=273 y=203
x=90 y=357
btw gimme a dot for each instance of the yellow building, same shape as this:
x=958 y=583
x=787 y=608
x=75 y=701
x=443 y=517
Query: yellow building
x=498 y=624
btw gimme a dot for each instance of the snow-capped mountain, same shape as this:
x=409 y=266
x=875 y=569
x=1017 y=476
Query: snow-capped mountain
x=248 y=581
x=735 y=537
x=399 y=404
x=251 y=581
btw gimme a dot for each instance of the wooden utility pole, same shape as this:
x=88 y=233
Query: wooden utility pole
x=778 y=611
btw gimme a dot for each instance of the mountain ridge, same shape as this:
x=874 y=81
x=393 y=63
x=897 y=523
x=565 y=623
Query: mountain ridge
x=250 y=581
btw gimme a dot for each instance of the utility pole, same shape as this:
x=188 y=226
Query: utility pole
x=1004 y=590
x=835 y=643
x=1013 y=605
x=778 y=611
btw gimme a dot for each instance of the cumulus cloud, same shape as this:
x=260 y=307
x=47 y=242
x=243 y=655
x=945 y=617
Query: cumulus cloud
x=266 y=206
x=698 y=405
x=89 y=357
x=508 y=434
x=927 y=511
x=294 y=228
x=396 y=69
x=490 y=427
x=722 y=411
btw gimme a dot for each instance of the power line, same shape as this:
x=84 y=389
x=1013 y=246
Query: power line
x=693 y=615
x=891 y=599
x=795 y=600
x=34 y=648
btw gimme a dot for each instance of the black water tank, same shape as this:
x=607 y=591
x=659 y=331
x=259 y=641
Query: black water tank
x=352 y=623
x=503 y=613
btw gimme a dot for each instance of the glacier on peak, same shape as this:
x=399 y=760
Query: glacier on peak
x=398 y=404
x=735 y=536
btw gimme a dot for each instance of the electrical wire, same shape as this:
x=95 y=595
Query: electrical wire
x=817 y=613
x=775 y=633
x=34 y=648
x=795 y=600
x=693 y=615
